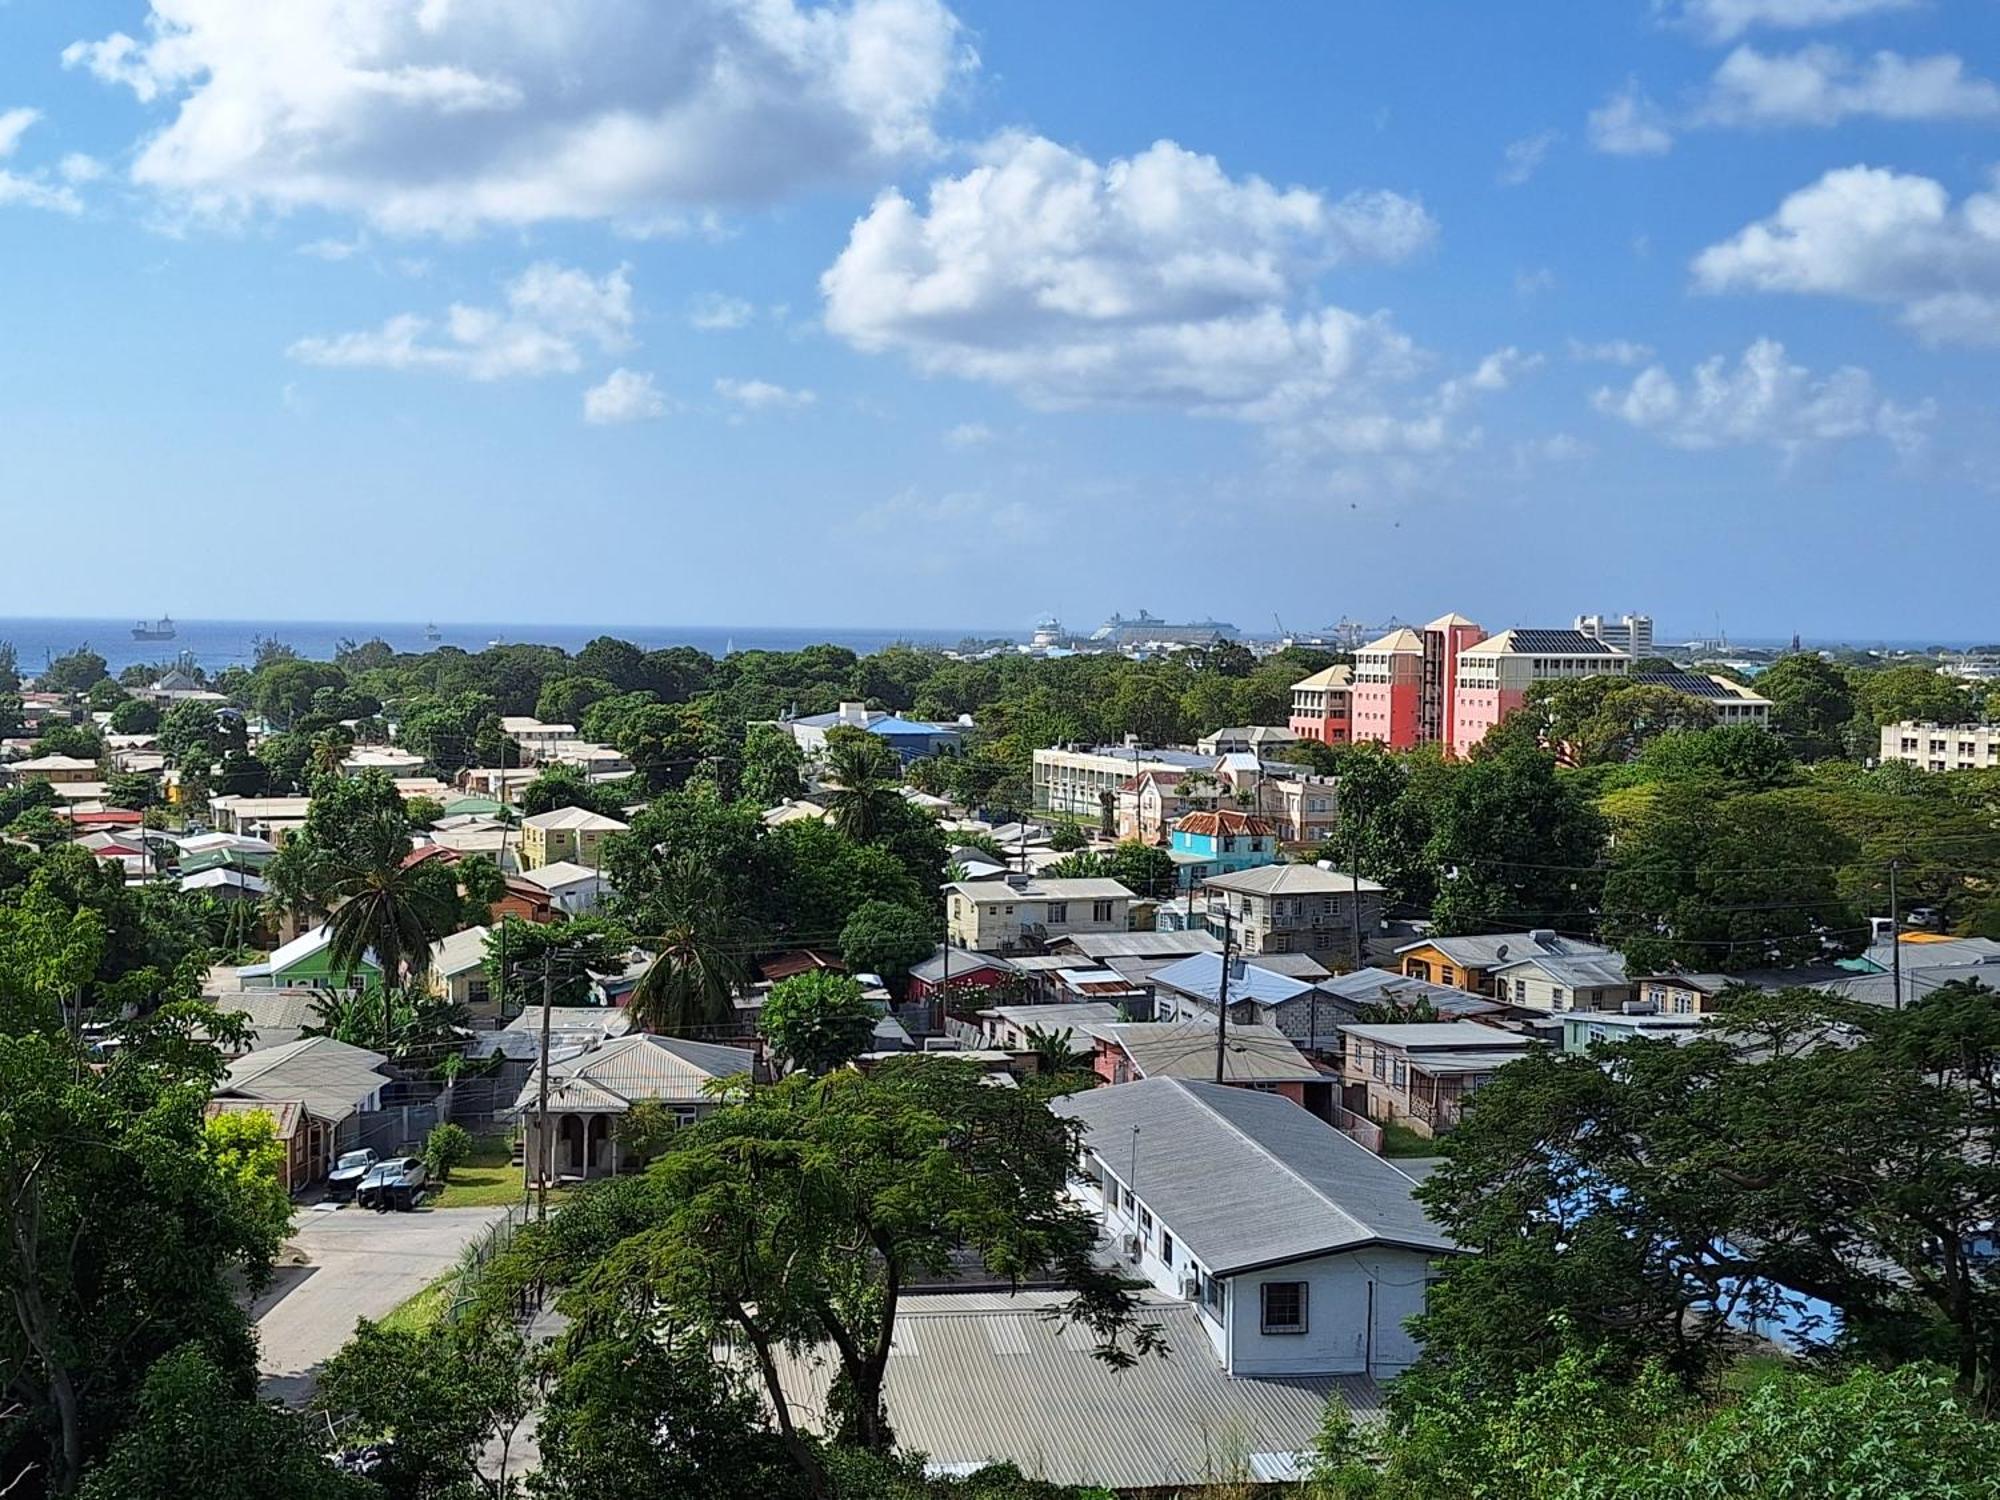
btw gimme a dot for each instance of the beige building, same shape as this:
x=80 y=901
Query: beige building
x=569 y=833
x=1022 y=911
x=1731 y=701
x=1294 y=909
x=57 y=770
x=1942 y=747
x=1073 y=782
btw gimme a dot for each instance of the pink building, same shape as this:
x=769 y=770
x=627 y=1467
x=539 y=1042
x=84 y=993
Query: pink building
x=1387 y=697
x=1494 y=675
x=1322 y=708
x=1444 y=638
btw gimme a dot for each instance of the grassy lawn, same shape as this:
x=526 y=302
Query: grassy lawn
x=488 y=1180
x=424 y=1309
x=1400 y=1140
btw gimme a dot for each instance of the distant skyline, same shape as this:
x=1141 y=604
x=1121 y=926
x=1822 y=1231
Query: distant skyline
x=888 y=313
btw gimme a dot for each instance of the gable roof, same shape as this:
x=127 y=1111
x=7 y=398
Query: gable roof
x=562 y=873
x=329 y=1077
x=1224 y=821
x=1542 y=643
x=1292 y=880
x=1247 y=1179
x=1489 y=950
x=630 y=1068
x=582 y=819
x=306 y=945
x=1582 y=972
x=1402 y=639
x=460 y=952
x=1250 y=1054
x=286 y=1114
x=1200 y=975
x=1386 y=987
x=1326 y=677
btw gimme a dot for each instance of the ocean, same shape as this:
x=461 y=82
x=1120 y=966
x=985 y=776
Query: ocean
x=217 y=644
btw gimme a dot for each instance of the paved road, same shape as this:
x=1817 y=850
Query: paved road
x=360 y=1265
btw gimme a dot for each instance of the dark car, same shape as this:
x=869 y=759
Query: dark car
x=345 y=1178
x=394 y=1184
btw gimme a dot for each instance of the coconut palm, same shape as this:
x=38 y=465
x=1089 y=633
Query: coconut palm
x=698 y=961
x=863 y=778
x=382 y=905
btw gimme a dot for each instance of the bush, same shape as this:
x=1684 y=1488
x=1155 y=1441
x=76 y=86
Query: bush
x=448 y=1146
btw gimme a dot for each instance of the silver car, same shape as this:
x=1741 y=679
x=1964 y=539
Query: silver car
x=345 y=1178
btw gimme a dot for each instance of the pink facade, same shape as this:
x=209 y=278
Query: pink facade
x=1387 y=701
x=1444 y=638
x=1479 y=710
x=1322 y=707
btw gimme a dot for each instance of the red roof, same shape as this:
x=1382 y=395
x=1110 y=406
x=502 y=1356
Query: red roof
x=109 y=817
x=1211 y=824
x=428 y=852
x=798 y=961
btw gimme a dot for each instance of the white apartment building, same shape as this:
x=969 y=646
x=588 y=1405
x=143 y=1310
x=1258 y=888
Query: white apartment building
x=1073 y=781
x=1732 y=702
x=1495 y=675
x=1942 y=747
x=1021 y=911
x=1632 y=634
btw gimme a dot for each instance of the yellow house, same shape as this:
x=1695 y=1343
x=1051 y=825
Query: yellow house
x=571 y=834
x=1468 y=962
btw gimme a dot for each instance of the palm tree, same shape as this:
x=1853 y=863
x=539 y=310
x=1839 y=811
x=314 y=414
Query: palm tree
x=395 y=910
x=863 y=780
x=698 y=961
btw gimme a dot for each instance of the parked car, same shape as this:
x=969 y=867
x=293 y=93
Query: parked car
x=345 y=1178
x=394 y=1184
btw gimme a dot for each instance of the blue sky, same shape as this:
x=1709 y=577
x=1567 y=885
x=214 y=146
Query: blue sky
x=912 y=313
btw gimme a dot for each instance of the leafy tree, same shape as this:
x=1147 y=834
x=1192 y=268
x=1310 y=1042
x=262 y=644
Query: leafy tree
x=130 y=790
x=249 y=1162
x=134 y=716
x=1746 y=755
x=10 y=668
x=820 y=876
x=1142 y=869
x=79 y=740
x=195 y=733
x=559 y=786
x=75 y=671
x=1744 y=883
x=239 y=774
x=454 y=732
x=422 y=811
x=1893 y=695
x=282 y=689
x=447 y=1148
x=887 y=940
x=1595 y=720
x=565 y=700
x=817 y=1021
x=772 y=766
x=197 y=1433
x=570 y=951
x=1811 y=704
x=667 y=744
x=1067 y=837
x=863 y=776
x=1520 y=847
x=698 y=958
x=105 y=695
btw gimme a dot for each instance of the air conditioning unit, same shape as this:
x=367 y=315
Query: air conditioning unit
x=1191 y=1288
x=1133 y=1248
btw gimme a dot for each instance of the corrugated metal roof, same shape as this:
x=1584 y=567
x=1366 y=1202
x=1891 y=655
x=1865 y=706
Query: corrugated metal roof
x=1200 y=975
x=1581 y=972
x=646 y=1067
x=1484 y=951
x=1103 y=945
x=1244 y=1178
x=329 y=1077
x=1250 y=1054
x=983 y=1377
x=1292 y=880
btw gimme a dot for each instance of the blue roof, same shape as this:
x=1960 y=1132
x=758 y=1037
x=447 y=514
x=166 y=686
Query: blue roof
x=893 y=725
x=1200 y=974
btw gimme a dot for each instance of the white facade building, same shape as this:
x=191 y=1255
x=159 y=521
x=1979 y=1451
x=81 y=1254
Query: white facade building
x=1942 y=747
x=1632 y=634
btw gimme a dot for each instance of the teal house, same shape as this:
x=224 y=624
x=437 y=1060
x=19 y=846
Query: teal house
x=306 y=962
x=1206 y=844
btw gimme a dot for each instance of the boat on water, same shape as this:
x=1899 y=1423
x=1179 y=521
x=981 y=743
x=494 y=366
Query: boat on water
x=432 y=633
x=161 y=629
x=1148 y=629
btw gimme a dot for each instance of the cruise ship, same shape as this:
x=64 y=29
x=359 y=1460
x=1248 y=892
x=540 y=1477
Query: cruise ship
x=1147 y=629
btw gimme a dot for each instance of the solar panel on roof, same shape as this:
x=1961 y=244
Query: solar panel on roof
x=1560 y=642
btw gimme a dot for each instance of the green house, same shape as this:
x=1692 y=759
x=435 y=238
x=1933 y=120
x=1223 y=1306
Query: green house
x=306 y=962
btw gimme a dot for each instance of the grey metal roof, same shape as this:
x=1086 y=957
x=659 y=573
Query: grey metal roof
x=1291 y=880
x=1385 y=987
x=1083 y=1017
x=979 y=1377
x=329 y=1077
x=1250 y=1054
x=1933 y=955
x=1200 y=975
x=1486 y=950
x=643 y=1067
x=1245 y=1178
x=1438 y=1036
x=1918 y=981
x=1103 y=945
x=963 y=960
x=1583 y=972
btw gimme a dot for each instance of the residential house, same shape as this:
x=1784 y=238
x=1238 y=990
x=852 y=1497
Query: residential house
x=525 y=900
x=1295 y=908
x=1553 y=982
x=299 y=1135
x=364 y=758
x=272 y=819
x=1024 y=911
x=572 y=834
x=535 y=738
x=1252 y=739
x=1419 y=1073
x=334 y=1084
x=1468 y=962
x=573 y=888
x=1495 y=675
x=458 y=971
x=497 y=783
x=950 y=967
x=1191 y=988
x=274 y=1018
x=1305 y=1253
x=1074 y=782
x=306 y=962
x=225 y=884
x=1304 y=808
x=1149 y=804
x=1348 y=994
x=1218 y=843
x=596 y=762
x=1253 y=1057
x=911 y=739
x=592 y=1090
x=1582 y=1030
x=1699 y=995
x=1009 y=1027
x=56 y=770
x=1321 y=708
x=179 y=687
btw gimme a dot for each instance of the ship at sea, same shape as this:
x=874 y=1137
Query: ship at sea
x=161 y=629
x=1146 y=629
x=432 y=633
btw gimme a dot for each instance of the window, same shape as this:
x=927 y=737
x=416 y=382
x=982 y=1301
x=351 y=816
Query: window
x=1521 y=992
x=1058 y=912
x=1284 y=1306
x=1555 y=997
x=1401 y=1077
x=1100 y=911
x=684 y=1118
x=1167 y=1249
x=1447 y=975
x=1145 y=1222
x=1381 y=1063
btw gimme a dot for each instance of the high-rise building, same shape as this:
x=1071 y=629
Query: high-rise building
x=1437 y=710
x=1494 y=676
x=1387 y=697
x=1322 y=707
x=1632 y=634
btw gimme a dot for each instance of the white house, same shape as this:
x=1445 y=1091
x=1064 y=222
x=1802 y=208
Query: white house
x=572 y=887
x=1552 y=982
x=1000 y=916
x=1303 y=1251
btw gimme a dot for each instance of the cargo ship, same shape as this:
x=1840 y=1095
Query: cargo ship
x=161 y=629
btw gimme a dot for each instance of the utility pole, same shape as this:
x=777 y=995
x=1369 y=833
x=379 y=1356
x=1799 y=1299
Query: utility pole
x=1895 y=934
x=1354 y=872
x=1222 y=994
x=546 y=1150
x=501 y=865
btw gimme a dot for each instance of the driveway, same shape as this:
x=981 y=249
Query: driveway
x=358 y=1265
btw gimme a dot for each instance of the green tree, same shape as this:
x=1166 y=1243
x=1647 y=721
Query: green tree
x=517 y=952
x=282 y=689
x=863 y=777
x=698 y=958
x=248 y=1161
x=447 y=1148
x=772 y=766
x=559 y=786
x=1519 y=847
x=75 y=671
x=1811 y=704
x=1894 y=695
x=1067 y=837
x=565 y=700
x=887 y=940
x=195 y=733
x=1142 y=869
x=456 y=731
x=130 y=790
x=134 y=716
x=83 y=741
x=817 y=1021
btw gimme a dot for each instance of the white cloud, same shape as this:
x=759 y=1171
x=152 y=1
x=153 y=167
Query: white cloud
x=1823 y=85
x=78 y=167
x=1763 y=399
x=1880 y=236
x=333 y=250
x=1726 y=20
x=29 y=189
x=1497 y=372
x=1530 y=283
x=970 y=435
x=1611 y=352
x=715 y=313
x=762 y=395
x=435 y=115
x=961 y=513
x=1151 y=280
x=1629 y=123
x=551 y=312
x=1523 y=158
x=624 y=396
